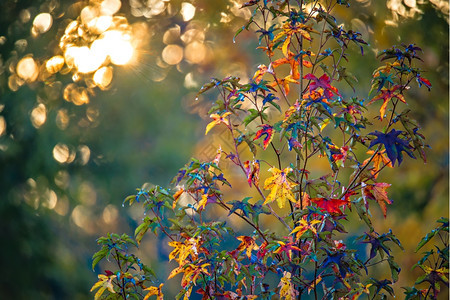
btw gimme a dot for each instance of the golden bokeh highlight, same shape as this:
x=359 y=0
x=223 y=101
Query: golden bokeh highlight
x=103 y=77
x=76 y=94
x=117 y=45
x=2 y=126
x=82 y=217
x=41 y=23
x=84 y=154
x=54 y=64
x=110 y=7
x=27 y=69
x=172 y=35
x=172 y=54
x=50 y=199
x=187 y=11
x=195 y=52
x=38 y=115
x=149 y=8
x=110 y=214
x=62 y=206
x=24 y=16
x=63 y=154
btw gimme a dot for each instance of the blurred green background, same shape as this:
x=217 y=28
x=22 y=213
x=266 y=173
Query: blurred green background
x=73 y=146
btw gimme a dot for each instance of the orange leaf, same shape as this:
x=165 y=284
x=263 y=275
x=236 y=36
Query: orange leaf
x=378 y=193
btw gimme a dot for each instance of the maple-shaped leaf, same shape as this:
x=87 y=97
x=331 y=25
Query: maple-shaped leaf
x=104 y=283
x=248 y=244
x=191 y=274
x=287 y=289
x=243 y=205
x=336 y=259
x=154 y=291
x=378 y=243
x=279 y=186
x=386 y=95
x=287 y=248
x=379 y=161
x=340 y=158
x=433 y=275
x=383 y=285
x=303 y=226
x=267 y=131
x=382 y=79
x=322 y=82
x=184 y=249
x=332 y=206
x=378 y=193
x=393 y=145
x=217 y=119
x=283 y=83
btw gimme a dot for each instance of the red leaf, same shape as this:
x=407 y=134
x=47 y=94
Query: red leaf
x=330 y=205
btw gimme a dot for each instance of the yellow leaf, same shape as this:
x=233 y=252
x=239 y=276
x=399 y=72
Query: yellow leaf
x=279 y=186
x=248 y=244
x=176 y=196
x=104 y=283
x=314 y=283
x=203 y=201
x=324 y=124
x=154 y=291
x=217 y=119
x=287 y=290
x=285 y=47
x=305 y=226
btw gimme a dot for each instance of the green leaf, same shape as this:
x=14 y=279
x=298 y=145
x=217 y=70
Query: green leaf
x=395 y=268
x=426 y=239
x=98 y=256
x=142 y=229
x=252 y=116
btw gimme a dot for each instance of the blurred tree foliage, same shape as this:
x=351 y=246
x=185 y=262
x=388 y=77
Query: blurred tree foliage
x=68 y=156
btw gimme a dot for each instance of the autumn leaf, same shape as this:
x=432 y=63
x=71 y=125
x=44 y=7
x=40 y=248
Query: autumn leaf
x=379 y=161
x=332 y=206
x=248 y=244
x=386 y=95
x=314 y=283
x=284 y=83
x=177 y=196
x=104 y=283
x=217 y=119
x=202 y=203
x=252 y=172
x=378 y=193
x=324 y=83
x=279 y=186
x=184 y=249
x=191 y=273
x=262 y=69
x=423 y=81
x=393 y=144
x=287 y=248
x=287 y=289
x=154 y=291
x=304 y=226
x=267 y=131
